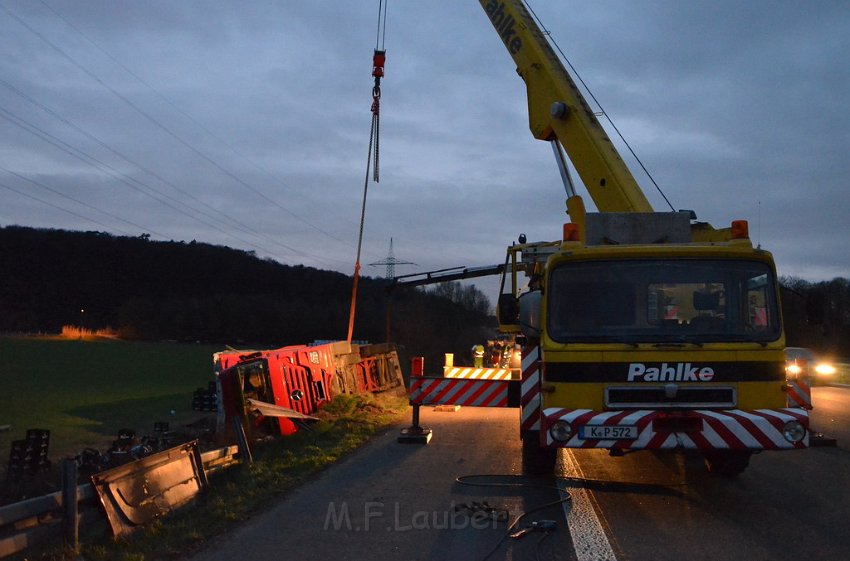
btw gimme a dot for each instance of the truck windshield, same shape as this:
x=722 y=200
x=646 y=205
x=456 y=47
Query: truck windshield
x=658 y=300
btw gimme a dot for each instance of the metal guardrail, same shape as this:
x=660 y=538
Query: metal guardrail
x=40 y=520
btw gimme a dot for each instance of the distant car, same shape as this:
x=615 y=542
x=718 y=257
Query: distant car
x=804 y=363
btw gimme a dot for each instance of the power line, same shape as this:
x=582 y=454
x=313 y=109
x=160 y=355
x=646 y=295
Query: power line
x=83 y=203
x=48 y=203
x=98 y=164
x=159 y=124
x=82 y=156
x=228 y=220
x=192 y=119
x=177 y=138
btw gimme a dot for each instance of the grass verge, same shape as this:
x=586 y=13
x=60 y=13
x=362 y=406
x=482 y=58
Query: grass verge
x=84 y=390
x=241 y=491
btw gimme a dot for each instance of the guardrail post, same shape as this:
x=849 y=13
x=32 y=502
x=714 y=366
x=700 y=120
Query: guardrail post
x=70 y=508
x=242 y=441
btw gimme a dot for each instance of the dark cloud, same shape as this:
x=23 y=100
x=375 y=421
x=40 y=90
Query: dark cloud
x=246 y=123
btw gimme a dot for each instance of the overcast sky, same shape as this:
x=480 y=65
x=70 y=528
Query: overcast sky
x=247 y=123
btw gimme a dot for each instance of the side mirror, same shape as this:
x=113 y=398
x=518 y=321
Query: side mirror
x=529 y=313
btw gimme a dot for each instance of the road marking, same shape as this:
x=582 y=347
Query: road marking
x=588 y=535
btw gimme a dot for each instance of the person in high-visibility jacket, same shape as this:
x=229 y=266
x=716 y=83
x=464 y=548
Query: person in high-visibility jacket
x=478 y=356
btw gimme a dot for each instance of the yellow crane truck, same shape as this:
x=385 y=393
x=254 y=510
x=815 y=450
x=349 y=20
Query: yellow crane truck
x=643 y=330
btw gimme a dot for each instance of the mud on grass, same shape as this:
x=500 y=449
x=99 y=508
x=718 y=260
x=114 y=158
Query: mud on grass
x=239 y=492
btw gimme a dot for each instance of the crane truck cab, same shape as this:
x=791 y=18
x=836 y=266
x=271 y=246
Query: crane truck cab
x=641 y=338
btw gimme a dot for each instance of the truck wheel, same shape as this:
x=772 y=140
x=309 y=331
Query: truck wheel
x=727 y=463
x=535 y=459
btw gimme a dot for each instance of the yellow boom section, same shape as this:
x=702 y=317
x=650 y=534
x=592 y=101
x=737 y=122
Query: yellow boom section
x=609 y=182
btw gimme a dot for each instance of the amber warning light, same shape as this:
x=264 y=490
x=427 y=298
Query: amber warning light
x=571 y=232
x=740 y=230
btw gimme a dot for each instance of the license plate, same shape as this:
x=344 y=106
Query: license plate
x=607 y=432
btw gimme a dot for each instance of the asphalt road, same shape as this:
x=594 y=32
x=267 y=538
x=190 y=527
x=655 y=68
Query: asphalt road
x=831 y=414
x=394 y=501
x=402 y=501
x=786 y=505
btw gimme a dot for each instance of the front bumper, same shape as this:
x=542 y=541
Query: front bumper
x=703 y=429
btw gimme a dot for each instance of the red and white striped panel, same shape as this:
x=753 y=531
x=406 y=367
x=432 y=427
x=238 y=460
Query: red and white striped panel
x=457 y=391
x=760 y=429
x=471 y=373
x=799 y=393
x=530 y=390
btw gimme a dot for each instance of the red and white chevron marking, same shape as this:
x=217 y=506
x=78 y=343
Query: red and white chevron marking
x=457 y=391
x=530 y=390
x=760 y=429
x=471 y=373
x=799 y=393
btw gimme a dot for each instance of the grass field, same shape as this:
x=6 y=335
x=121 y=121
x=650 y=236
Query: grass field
x=84 y=391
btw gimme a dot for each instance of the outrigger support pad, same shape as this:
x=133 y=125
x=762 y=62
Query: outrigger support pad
x=415 y=434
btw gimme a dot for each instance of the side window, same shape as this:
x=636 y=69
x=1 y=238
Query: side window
x=758 y=312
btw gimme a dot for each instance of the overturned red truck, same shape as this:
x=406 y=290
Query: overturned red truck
x=271 y=392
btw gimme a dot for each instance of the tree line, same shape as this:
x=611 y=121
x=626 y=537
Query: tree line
x=817 y=314
x=194 y=291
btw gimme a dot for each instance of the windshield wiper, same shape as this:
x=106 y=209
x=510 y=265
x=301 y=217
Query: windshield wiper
x=678 y=342
x=744 y=338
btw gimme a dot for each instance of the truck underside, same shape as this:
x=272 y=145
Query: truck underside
x=273 y=392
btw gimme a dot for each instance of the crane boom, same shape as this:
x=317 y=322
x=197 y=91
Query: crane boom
x=557 y=109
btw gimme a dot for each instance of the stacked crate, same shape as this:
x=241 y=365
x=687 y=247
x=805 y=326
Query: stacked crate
x=205 y=399
x=29 y=456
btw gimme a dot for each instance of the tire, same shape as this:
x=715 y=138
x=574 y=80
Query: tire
x=537 y=460
x=727 y=463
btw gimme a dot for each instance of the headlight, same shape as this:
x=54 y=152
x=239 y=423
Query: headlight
x=793 y=369
x=825 y=369
x=561 y=431
x=794 y=432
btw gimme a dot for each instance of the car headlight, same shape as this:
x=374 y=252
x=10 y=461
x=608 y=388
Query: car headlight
x=825 y=369
x=561 y=431
x=794 y=432
x=793 y=369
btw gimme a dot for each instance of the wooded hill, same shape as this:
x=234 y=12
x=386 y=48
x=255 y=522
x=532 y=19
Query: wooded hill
x=817 y=314
x=200 y=292
x=195 y=291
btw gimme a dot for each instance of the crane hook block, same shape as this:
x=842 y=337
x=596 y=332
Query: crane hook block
x=378 y=63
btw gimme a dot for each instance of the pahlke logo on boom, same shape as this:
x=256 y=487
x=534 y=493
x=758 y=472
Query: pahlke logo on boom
x=680 y=372
x=504 y=24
